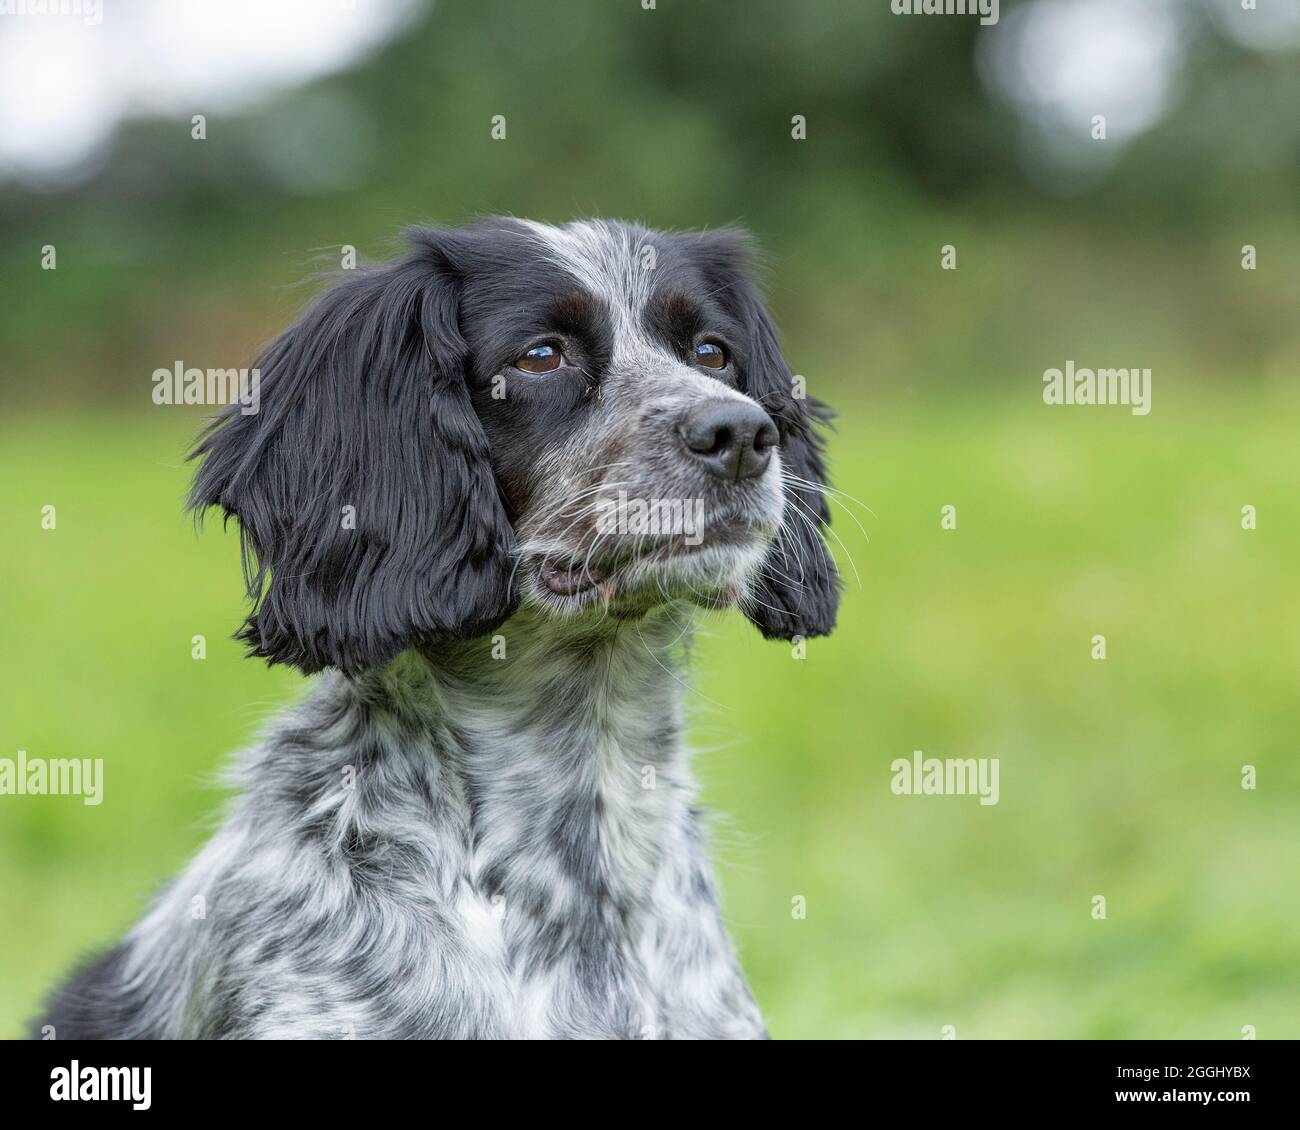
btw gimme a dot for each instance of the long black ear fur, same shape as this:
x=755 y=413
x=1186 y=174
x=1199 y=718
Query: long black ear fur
x=370 y=517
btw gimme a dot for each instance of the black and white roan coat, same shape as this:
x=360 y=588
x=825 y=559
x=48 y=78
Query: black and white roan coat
x=480 y=822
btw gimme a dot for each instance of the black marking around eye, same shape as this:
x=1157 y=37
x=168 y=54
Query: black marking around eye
x=681 y=321
x=675 y=319
x=584 y=322
x=578 y=314
x=514 y=298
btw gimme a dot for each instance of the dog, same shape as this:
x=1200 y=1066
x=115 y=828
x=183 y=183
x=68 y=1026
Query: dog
x=479 y=822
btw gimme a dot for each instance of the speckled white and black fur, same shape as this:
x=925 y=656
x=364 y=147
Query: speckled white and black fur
x=479 y=822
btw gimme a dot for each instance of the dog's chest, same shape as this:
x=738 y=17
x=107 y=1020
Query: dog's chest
x=533 y=977
x=589 y=914
x=589 y=969
x=559 y=892
x=528 y=873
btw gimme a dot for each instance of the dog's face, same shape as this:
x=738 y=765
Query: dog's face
x=589 y=420
x=608 y=373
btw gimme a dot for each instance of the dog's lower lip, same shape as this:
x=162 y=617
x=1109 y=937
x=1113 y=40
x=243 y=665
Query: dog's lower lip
x=573 y=577
x=567 y=580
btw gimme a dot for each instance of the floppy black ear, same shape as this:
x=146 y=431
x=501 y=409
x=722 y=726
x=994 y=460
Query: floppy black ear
x=797 y=589
x=370 y=516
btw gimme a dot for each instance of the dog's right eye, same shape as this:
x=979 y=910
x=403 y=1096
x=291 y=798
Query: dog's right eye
x=540 y=359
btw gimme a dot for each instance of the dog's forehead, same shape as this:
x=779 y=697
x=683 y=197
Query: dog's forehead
x=614 y=262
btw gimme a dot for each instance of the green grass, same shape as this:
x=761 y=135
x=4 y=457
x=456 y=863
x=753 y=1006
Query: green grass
x=1118 y=777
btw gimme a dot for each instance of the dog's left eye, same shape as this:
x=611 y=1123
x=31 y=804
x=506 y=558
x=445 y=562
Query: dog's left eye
x=711 y=355
x=540 y=359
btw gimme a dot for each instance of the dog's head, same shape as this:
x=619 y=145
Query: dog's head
x=589 y=419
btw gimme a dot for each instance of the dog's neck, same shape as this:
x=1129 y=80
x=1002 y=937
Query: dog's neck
x=560 y=743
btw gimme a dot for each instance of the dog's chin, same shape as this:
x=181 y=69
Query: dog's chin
x=633 y=578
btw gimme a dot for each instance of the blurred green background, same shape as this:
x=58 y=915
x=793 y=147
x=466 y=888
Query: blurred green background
x=1119 y=777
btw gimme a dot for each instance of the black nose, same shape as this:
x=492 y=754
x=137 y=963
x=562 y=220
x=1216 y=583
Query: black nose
x=733 y=439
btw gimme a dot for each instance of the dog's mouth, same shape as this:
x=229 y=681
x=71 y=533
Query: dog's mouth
x=615 y=572
x=571 y=579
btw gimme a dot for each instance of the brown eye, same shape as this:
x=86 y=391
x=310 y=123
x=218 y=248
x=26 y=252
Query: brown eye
x=711 y=355
x=540 y=359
